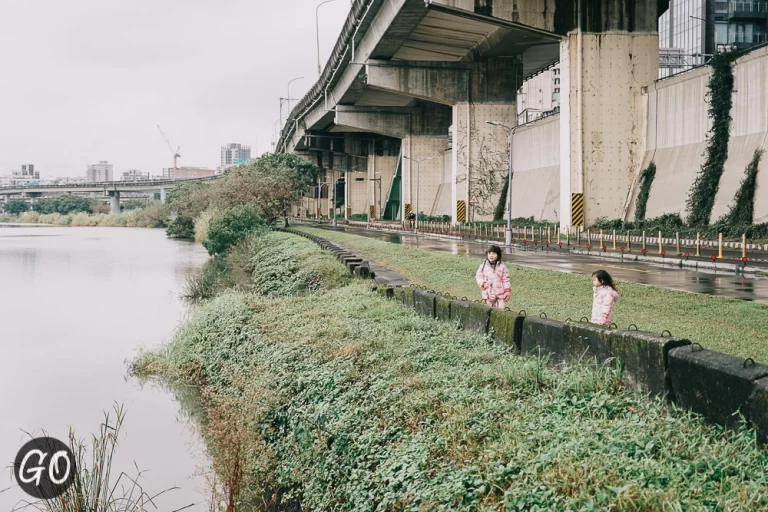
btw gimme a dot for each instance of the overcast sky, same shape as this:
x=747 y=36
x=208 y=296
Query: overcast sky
x=89 y=80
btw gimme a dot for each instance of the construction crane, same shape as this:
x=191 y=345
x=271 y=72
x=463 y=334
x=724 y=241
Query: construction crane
x=175 y=153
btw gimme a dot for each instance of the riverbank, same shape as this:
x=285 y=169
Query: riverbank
x=323 y=394
x=725 y=325
x=149 y=217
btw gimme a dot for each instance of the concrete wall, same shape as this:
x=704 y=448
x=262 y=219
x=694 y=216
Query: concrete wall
x=677 y=124
x=536 y=164
x=383 y=167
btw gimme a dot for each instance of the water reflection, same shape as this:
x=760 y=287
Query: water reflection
x=76 y=303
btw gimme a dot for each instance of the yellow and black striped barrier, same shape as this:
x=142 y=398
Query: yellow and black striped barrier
x=577 y=209
x=461 y=211
x=373 y=212
x=407 y=210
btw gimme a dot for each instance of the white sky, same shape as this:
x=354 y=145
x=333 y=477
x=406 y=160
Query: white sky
x=89 y=80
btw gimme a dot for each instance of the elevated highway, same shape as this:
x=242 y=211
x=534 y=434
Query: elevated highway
x=111 y=189
x=406 y=95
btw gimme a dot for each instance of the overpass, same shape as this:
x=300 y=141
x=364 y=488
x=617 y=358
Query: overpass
x=111 y=189
x=404 y=102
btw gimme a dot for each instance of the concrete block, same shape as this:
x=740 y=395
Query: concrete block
x=424 y=303
x=361 y=272
x=644 y=357
x=541 y=337
x=758 y=409
x=584 y=342
x=443 y=308
x=472 y=316
x=408 y=297
x=385 y=291
x=712 y=384
x=506 y=327
x=397 y=294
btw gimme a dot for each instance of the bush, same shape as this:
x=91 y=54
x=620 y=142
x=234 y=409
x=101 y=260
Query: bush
x=230 y=227
x=181 y=227
x=29 y=217
x=202 y=223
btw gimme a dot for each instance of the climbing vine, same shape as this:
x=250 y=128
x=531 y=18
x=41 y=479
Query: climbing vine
x=498 y=214
x=743 y=209
x=646 y=178
x=701 y=198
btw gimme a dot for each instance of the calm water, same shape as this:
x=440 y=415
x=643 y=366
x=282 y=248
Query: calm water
x=75 y=304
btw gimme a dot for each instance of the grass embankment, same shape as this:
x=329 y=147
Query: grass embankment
x=346 y=401
x=725 y=325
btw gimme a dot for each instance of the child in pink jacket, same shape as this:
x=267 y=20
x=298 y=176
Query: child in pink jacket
x=493 y=279
x=604 y=297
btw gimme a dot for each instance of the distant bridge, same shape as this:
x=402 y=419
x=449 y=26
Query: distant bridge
x=110 y=189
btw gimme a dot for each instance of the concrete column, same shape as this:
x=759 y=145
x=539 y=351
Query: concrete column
x=114 y=202
x=605 y=61
x=163 y=195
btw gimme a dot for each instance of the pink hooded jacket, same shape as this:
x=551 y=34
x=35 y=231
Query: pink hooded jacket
x=497 y=277
x=603 y=300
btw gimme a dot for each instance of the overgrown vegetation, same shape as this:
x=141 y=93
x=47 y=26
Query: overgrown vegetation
x=181 y=227
x=341 y=400
x=701 y=198
x=153 y=215
x=64 y=205
x=229 y=228
x=646 y=179
x=501 y=207
x=672 y=223
x=743 y=209
x=726 y=325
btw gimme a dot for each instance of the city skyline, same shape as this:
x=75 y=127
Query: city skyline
x=80 y=102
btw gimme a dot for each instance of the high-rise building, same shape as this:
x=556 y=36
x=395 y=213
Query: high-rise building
x=27 y=175
x=235 y=154
x=539 y=95
x=691 y=31
x=99 y=172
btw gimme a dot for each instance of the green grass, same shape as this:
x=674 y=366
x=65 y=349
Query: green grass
x=354 y=403
x=725 y=325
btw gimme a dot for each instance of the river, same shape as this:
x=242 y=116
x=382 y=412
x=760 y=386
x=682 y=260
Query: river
x=75 y=305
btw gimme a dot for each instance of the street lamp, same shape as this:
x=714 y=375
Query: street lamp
x=289 y=92
x=374 y=194
x=510 y=131
x=317 y=26
x=714 y=33
x=418 y=176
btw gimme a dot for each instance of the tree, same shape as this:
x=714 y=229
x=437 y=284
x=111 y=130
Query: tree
x=16 y=206
x=230 y=227
x=271 y=182
x=134 y=204
x=72 y=204
x=191 y=198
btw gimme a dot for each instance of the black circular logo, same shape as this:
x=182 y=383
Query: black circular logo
x=44 y=468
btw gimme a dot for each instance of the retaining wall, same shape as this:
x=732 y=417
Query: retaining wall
x=712 y=384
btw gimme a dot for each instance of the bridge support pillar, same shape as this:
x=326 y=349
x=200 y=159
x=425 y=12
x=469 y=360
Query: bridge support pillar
x=606 y=59
x=114 y=202
x=163 y=195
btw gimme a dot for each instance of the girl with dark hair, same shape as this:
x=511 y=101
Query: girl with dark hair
x=493 y=279
x=604 y=297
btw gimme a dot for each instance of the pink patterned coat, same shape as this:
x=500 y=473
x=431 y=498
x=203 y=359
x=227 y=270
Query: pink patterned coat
x=494 y=282
x=603 y=300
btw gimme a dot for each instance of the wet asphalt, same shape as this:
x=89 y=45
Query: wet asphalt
x=720 y=283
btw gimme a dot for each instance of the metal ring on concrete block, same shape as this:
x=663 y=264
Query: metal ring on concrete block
x=630 y=327
x=464 y=298
x=695 y=344
x=748 y=359
x=542 y=315
x=665 y=331
x=522 y=312
x=507 y=309
x=568 y=319
x=613 y=326
x=581 y=321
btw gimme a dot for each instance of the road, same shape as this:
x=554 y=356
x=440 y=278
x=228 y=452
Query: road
x=726 y=284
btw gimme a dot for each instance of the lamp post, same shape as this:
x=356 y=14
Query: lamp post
x=418 y=176
x=289 y=92
x=317 y=26
x=714 y=34
x=511 y=132
x=374 y=194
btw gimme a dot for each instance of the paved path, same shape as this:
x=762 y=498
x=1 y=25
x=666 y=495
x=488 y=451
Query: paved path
x=725 y=284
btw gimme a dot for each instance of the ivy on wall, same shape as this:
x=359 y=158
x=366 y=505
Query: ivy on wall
x=701 y=198
x=743 y=209
x=646 y=179
x=501 y=207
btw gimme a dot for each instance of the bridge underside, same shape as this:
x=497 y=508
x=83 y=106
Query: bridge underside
x=424 y=80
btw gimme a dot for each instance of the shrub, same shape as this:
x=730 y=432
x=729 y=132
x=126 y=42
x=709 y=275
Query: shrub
x=16 y=206
x=647 y=177
x=202 y=223
x=29 y=217
x=181 y=227
x=230 y=227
